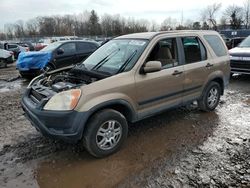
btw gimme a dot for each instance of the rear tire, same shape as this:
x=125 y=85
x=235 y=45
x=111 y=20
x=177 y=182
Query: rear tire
x=210 y=97
x=105 y=133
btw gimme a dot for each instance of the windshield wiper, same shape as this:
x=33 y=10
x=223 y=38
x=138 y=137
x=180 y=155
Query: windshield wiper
x=104 y=60
x=124 y=65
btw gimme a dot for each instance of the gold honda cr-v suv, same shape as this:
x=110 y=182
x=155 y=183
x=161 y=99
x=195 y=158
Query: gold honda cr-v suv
x=127 y=79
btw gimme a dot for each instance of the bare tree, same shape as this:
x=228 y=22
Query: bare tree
x=19 y=29
x=246 y=13
x=2 y=36
x=234 y=14
x=188 y=24
x=196 y=25
x=205 y=26
x=9 y=30
x=209 y=15
x=154 y=26
x=223 y=22
x=83 y=24
x=31 y=27
x=168 y=24
x=106 y=23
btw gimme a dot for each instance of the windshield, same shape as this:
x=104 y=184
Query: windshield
x=51 y=47
x=245 y=43
x=116 y=56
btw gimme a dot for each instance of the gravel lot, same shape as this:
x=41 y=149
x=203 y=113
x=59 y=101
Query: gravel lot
x=179 y=148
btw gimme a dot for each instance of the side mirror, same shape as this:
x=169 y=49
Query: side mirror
x=152 y=66
x=60 y=51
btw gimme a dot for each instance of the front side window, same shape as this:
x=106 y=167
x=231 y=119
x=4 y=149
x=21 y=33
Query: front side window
x=68 y=48
x=194 y=50
x=116 y=56
x=165 y=51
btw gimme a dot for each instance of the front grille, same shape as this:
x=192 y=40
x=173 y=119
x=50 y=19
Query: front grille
x=36 y=96
x=240 y=64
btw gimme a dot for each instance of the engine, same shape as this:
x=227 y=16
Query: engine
x=72 y=78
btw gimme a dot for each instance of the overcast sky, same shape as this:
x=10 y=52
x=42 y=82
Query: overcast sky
x=158 y=10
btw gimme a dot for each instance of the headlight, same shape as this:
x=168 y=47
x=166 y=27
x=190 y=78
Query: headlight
x=66 y=100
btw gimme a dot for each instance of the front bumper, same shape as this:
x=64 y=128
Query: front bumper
x=10 y=59
x=64 y=125
x=30 y=72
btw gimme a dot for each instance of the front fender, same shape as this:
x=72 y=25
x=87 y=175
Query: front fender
x=107 y=100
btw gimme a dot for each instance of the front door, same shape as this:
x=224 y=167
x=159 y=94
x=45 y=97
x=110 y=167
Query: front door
x=161 y=90
x=68 y=57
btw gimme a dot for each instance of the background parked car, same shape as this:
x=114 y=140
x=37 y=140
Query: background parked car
x=56 y=55
x=6 y=57
x=27 y=45
x=240 y=57
x=234 y=42
x=15 y=48
x=226 y=40
x=39 y=46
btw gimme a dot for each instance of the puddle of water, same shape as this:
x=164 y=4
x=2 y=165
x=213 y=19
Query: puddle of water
x=141 y=151
x=12 y=86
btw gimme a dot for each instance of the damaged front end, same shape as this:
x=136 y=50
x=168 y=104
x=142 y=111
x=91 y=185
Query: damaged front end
x=50 y=100
x=47 y=85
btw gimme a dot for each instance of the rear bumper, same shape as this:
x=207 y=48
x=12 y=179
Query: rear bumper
x=64 y=125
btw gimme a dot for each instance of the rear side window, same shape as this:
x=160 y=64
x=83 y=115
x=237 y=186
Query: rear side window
x=216 y=44
x=83 y=47
x=194 y=50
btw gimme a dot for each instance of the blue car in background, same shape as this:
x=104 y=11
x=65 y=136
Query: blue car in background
x=56 y=55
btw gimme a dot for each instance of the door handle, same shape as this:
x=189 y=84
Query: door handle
x=176 y=72
x=209 y=65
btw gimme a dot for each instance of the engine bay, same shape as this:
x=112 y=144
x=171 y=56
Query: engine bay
x=65 y=80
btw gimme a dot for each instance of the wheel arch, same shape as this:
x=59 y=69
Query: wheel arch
x=219 y=80
x=216 y=77
x=119 y=105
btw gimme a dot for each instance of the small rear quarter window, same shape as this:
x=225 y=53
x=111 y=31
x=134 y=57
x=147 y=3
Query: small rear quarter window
x=216 y=44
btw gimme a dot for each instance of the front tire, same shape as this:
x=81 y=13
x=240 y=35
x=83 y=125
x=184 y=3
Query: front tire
x=211 y=97
x=105 y=133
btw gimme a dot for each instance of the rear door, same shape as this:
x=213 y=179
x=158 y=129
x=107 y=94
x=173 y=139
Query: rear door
x=161 y=90
x=68 y=57
x=197 y=67
x=84 y=49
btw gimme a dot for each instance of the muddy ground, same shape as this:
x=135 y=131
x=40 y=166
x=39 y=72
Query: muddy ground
x=179 y=148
